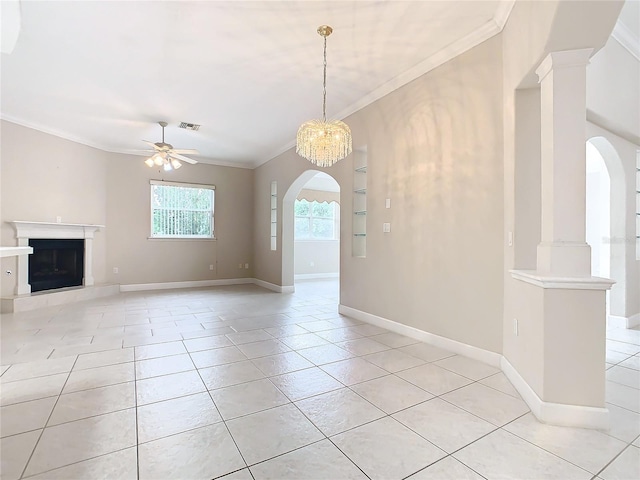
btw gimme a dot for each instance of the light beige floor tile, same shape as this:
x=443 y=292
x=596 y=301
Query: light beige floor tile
x=625 y=376
x=624 y=424
x=369 y=330
x=199 y=454
x=263 y=348
x=446 y=469
x=305 y=383
x=146 y=352
x=426 y=352
x=386 y=449
x=156 y=367
x=623 y=396
x=306 y=340
x=230 y=374
x=102 y=359
x=99 y=377
x=391 y=393
x=503 y=455
x=500 y=382
x=92 y=402
x=265 y=434
x=32 y=389
x=16 y=451
x=317 y=326
x=632 y=362
x=122 y=465
x=83 y=439
x=178 y=415
x=393 y=360
x=98 y=345
x=339 y=410
x=446 y=426
x=625 y=467
x=285 y=331
x=217 y=356
x=325 y=354
x=26 y=416
x=589 y=449
x=243 y=474
x=394 y=340
x=321 y=460
x=140 y=340
x=282 y=363
x=353 y=370
x=207 y=343
x=249 y=337
x=614 y=356
x=434 y=379
x=493 y=406
x=339 y=335
x=467 y=367
x=40 y=368
x=246 y=398
x=3 y=369
x=157 y=389
x=363 y=346
x=628 y=348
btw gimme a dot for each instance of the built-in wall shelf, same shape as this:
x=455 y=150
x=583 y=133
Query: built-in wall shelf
x=359 y=245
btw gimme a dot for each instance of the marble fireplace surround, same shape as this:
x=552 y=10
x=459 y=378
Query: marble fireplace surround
x=28 y=230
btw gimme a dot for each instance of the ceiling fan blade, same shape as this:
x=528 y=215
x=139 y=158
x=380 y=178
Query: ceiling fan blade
x=190 y=151
x=155 y=147
x=183 y=158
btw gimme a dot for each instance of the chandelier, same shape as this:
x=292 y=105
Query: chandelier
x=324 y=143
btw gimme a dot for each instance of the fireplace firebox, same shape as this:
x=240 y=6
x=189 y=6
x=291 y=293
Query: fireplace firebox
x=56 y=263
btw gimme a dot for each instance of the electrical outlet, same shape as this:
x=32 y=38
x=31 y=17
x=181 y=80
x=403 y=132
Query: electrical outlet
x=246 y=265
x=386 y=227
x=515 y=327
x=312 y=264
x=239 y=265
x=58 y=219
x=510 y=239
x=116 y=270
x=210 y=267
x=387 y=203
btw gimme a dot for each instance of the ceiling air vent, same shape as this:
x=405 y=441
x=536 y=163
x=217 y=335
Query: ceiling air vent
x=189 y=126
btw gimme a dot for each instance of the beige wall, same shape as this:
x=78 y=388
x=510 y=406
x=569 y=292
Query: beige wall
x=325 y=256
x=434 y=148
x=43 y=177
x=141 y=260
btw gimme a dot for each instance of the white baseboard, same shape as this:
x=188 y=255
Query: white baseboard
x=556 y=413
x=313 y=276
x=273 y=286
x=138 y=287
x=617 y=321
x=50 y=298
x=485 y=356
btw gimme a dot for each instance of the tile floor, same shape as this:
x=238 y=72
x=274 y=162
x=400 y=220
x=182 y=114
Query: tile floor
x=242 y=383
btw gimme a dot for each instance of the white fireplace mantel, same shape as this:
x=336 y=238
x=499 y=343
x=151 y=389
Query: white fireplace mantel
x=28 y=230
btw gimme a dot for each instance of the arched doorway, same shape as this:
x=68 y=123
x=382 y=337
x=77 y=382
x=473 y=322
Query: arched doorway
x=326 y=188
x=606 y=225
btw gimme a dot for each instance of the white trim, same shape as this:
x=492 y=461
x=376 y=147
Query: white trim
x=54 y=230
x=15 y=251
x=563 y=59
x=617 y=321
x=61 y=296
x=569 y=283
x=627 y=39
x=556 y=413
x=311 y=276
x=274 y=287
x=476 y=353
x=138 y=287
x=181 y=184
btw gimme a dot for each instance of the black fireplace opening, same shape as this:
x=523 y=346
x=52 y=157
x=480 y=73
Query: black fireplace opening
x=56 y=264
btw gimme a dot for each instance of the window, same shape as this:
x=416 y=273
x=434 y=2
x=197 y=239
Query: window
x=181 y=210
x=315 y=221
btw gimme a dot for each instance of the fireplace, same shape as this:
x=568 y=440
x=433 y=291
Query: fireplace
x=56 y=263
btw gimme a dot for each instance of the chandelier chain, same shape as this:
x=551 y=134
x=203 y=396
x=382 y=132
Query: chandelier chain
x=324 y=83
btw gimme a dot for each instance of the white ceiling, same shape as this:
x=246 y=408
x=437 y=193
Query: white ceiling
x=250 y=72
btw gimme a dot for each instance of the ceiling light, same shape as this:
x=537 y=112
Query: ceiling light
x=324 y=143
x=149 y=162
x=175 y=164
x=167 y=167
x=157 y=159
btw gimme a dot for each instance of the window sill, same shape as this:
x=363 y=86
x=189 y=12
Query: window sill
x=183 y=239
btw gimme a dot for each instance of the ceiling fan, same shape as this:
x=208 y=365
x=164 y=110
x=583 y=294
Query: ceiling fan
x=164 y=155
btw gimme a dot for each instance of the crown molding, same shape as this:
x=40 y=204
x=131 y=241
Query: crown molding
x=625 y=37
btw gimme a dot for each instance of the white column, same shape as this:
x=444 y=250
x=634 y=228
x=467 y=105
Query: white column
x=88 y=264
x=563 y=250
x=22 y=275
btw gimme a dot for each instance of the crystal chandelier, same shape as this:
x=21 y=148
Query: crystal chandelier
x=324 y=143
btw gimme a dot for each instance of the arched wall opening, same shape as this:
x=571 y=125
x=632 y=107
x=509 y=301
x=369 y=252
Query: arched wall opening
x=288 y=224
x=606 y=226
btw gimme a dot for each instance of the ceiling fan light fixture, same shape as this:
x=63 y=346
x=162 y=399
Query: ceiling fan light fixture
x=149 y=162
x=175 y=164
x=167 y=167
x=157 y=159
x=324 y=142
